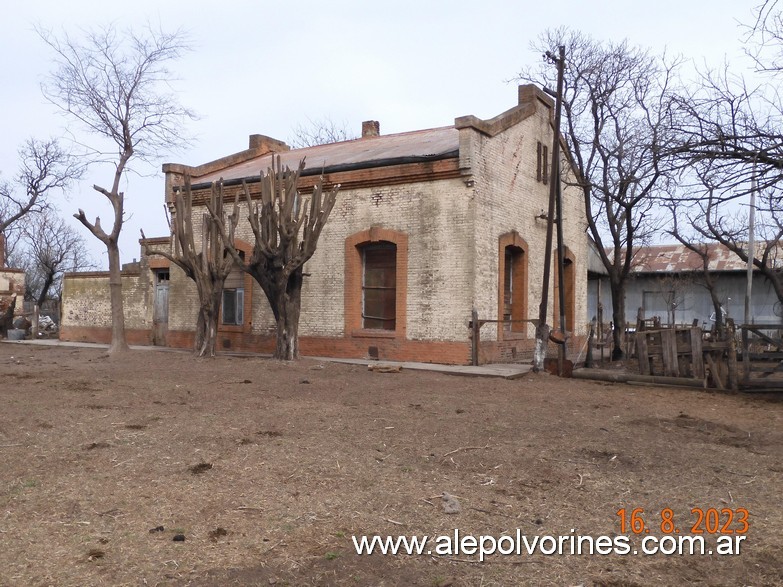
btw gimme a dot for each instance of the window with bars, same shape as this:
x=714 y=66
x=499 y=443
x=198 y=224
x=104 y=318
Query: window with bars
x=379 y=286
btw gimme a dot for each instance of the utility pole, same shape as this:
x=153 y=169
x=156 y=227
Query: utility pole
x=542 y=330
x=559 y=205
x=751 y=245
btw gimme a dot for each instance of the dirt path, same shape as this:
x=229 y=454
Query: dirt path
x=268 y=469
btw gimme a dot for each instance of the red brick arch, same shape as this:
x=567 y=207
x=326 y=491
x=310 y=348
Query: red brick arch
x=353 y=280
x=247 y=248
x=520 y=289
x=569 y=277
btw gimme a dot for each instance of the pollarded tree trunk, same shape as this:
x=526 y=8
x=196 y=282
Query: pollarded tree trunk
x=207 y=320
x=285 y=298
x=286 y=227
x=287 y=346
x=289 y=304
x=208 y=263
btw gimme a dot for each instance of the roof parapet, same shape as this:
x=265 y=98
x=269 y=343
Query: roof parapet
x=531 y=97
x=259 y=145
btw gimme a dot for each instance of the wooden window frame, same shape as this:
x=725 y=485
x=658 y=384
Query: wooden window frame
x=520 y=286
x=569 y=274
x=353 y=282
x=368 y=248
x=239 y=292
x=247 y=307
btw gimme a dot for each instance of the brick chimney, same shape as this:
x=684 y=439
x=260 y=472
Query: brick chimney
x=371 y=128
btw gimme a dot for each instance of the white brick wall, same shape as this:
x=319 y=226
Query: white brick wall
x=509 y=197
x=437 y=216
x=453 y=227
x=85 y=301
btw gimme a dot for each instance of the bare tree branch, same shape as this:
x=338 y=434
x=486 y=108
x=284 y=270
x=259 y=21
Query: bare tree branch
x=286 y=227
x=44 y=167
x=116 y=85
x=207 y=264
x=320 y=132
x=48 y=248
x=614 y=107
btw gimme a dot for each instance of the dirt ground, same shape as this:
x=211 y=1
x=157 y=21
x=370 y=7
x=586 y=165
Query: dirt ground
x=268 y=469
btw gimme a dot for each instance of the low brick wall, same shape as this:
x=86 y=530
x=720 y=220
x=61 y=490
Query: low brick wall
x=102 y=335
x=449 y=353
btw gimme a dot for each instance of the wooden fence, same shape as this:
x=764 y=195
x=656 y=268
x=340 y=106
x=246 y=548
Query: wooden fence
x=689 y=353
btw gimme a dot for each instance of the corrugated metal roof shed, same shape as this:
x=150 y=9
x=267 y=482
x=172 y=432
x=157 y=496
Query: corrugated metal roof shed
x=678 y=258
x=435 y=143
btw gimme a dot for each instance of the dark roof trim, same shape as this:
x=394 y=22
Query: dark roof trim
x=346 y=167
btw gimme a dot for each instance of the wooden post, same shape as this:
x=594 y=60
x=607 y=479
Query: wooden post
x=697 y=357
x=671 y=366
x=34 y=328
x=639 y=319
x=731 y=353
x=589 y=356
x=642 y=351
x=476 y=337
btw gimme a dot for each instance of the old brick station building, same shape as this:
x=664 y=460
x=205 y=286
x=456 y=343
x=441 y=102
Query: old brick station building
x=428 y=225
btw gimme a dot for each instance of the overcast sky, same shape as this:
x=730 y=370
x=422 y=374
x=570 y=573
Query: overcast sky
x=265 y=67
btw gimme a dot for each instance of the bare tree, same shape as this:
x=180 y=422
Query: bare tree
x=765 y=37
x=44 y=167
x=730 y=131
x=705 y=253
x=729 y=136
x=286 y=227
x=207 y=264
x=48 y=248
x=116 y=85
x=614 y=100
x=731 y=231
x=730 y=143
x=320 y=132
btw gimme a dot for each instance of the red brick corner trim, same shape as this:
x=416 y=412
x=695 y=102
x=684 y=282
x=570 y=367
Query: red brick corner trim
x=353 y=279
x=246 y=248
x=520 y=285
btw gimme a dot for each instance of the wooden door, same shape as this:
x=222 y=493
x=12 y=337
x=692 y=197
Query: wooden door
x=160 y=314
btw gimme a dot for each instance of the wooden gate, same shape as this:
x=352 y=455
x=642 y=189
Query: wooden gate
x=762 y=356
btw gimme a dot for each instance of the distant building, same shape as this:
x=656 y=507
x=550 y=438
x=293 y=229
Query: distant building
x=11 y=286
x=428 y=225
x=666 y=281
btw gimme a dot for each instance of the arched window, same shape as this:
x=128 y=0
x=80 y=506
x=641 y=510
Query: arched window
x=236 y=300
x=512 y=283
x=376 y=283
x=569 y=293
